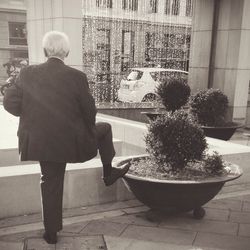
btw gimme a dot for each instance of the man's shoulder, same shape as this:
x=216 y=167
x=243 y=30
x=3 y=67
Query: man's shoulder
x=75 y=71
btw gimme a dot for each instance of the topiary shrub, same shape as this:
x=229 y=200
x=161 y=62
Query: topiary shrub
x=209 y=107
x=175 y=139
x=174 y=93
x=213 y=164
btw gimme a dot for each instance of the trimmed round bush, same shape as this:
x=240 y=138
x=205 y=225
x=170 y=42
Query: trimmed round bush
x=175 y=139
x=209 y=107
x=174 y=93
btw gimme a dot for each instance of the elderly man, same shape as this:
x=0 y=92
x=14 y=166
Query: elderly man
x=57 y=125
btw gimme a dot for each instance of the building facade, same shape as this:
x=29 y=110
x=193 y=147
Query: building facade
x=119 y=35
x=13 y=40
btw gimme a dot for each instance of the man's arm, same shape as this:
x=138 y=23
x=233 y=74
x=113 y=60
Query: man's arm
x=12 y=100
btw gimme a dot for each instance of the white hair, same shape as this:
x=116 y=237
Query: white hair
x=56 y=43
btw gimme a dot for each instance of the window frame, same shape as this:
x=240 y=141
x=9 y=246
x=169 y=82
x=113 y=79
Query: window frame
x=104 y=3
x=13 y=39
x=153 y=6
x=175 y=8
x=131 y=5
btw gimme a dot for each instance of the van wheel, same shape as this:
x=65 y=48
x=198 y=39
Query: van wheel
x=149 y=98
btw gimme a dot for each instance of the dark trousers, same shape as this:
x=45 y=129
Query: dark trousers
x=52 y=179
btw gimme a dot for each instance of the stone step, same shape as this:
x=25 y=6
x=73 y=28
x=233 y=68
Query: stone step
x=83 y=186
x=9 y=153
x=11 y=245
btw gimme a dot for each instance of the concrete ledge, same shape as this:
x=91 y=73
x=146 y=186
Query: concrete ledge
x=9 y=156
x=133 y=133
x=83 y=186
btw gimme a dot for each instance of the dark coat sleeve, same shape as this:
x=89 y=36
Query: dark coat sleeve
x=87 y=102
x=12 y=100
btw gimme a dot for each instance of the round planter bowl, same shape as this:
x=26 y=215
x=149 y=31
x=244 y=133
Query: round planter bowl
x=171 y=196
x=222 y=133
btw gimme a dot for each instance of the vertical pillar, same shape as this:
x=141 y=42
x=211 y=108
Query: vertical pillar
x=232 y=55
x=225 y=64
x=202 y=25
x=60 y=15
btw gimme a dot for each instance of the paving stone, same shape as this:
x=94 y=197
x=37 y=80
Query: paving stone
x=240 y=217
x=20 y=220
x=234 y=205
x=134 y=210
x=88 y=217
x=203 y=225
x=68 y=243
x=136 y=219
x=103 y=227
x=74 y=228
x=11 y=245
x=117 y=243
x=81 y=243
x=154 y=234
x=100 y=208
x=217 y=214
x=245 y=197
x=21 y=228
x=234 y=191
x=222 y=241
x=246 y=206
x=38 y=244
x=19 y=237
x=244 y=230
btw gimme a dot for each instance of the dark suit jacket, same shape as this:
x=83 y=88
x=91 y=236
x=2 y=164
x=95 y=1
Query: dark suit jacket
x=57 y=113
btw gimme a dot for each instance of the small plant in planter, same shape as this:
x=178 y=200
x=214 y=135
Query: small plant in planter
x=209 y=107
x=174 y=94
x=177 y=175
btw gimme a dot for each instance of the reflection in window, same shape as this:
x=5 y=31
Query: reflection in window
x=176 y=7
x=17 y=33
x=188 y=7
x=153 y=6
x=173 y=7
x=103 y=50
x=104 y=3
x=130 y=5
x=127 y=49
x=167 y=8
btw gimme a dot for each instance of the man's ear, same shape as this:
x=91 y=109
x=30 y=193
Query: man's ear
x=45 y=53
x=67 y=54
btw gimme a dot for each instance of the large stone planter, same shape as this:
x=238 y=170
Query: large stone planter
x=173 y=196
x=222 y=133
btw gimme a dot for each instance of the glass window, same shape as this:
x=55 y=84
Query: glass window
x=153 y=6
x=134 y=75
x=130 y=5
x=188 y=7
x=176 y=7
x=17 y=33
x=104 y=3
x=167 y=8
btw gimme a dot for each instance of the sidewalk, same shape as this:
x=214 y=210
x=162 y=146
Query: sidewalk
x=123 y=225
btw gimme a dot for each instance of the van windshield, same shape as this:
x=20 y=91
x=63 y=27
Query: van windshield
x=134 y=75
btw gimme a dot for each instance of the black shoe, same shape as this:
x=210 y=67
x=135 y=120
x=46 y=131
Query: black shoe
x=50 y=238
x=116 y=173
